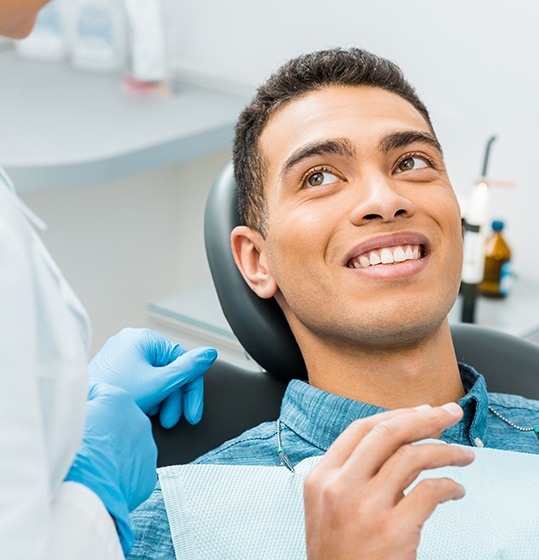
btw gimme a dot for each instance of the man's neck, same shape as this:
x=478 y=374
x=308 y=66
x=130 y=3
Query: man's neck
x=424 y=373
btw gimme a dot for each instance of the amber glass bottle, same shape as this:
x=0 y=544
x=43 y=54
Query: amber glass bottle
x=497 y=278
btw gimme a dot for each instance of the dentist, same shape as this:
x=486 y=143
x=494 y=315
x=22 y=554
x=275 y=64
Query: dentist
x=75 y=457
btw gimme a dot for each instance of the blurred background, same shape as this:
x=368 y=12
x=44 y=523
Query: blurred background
x=128 y=231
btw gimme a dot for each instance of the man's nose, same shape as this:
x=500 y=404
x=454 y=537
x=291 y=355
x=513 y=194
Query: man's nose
x=379 y=199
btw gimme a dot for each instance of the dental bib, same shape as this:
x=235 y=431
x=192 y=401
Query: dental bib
x=226 y=512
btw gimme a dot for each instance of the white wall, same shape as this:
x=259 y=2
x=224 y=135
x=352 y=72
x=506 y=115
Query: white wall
x=126 y=243
x=474 y=62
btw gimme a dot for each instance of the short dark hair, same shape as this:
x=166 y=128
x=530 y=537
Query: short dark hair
x=298 y=77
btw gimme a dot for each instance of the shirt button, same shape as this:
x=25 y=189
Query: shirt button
x=478 y=442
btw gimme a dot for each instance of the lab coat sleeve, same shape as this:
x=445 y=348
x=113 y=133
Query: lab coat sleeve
x=41 y=518
x=25 y=494
x=81 y=527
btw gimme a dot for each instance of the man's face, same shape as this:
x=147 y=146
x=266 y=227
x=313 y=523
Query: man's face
x=355 y=176
x=17 y=17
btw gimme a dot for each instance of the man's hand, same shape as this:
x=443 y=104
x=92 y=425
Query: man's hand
x=153 y=370
x=355 y=507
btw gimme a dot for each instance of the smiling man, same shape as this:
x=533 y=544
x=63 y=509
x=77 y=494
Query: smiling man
x=351 y=224
x=360 y=244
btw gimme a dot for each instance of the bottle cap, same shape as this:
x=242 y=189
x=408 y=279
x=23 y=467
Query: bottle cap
x=497 y=225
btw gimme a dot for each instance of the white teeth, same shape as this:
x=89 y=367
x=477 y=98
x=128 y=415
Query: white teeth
x=387 y=255
x=364 y=261
x=374 y=258
x=399 y=255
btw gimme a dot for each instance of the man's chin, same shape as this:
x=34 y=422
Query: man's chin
x=385 y=337
x=406 y=337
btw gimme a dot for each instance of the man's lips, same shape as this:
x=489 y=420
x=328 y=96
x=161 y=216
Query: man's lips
x=388 y=249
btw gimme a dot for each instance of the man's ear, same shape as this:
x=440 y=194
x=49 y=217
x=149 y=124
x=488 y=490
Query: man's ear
x=248 y=249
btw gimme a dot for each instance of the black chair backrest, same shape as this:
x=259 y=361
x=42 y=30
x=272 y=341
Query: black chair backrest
x=259 y=324
x=234 y=401
x=509 y=364
x=238 y=399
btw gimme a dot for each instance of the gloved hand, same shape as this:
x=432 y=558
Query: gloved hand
x=152 y=370
x=117 y=456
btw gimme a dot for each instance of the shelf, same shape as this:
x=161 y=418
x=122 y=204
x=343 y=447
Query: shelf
x=62 y=127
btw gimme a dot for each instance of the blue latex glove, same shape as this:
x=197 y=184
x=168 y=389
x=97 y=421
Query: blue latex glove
x=117 y=456
x=154 y=370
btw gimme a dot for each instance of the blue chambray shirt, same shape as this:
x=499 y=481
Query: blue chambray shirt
x=312 y=419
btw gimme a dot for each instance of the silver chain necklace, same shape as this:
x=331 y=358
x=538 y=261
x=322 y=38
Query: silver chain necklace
x=513 y=425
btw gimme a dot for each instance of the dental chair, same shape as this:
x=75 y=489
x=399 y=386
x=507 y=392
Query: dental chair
x=237 y=399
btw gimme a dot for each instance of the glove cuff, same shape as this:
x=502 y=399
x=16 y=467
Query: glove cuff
x=108 y=491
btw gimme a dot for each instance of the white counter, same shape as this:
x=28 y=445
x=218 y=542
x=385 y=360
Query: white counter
x=61 y=127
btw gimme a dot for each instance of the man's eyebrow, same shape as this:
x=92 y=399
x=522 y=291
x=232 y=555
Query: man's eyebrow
x=338 y=146
x=396 y=140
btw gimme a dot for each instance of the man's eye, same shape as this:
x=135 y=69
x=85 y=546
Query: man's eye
x=320 y=178
x=412 y=163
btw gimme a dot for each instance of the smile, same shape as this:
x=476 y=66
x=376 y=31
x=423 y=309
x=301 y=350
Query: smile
x=387 y=255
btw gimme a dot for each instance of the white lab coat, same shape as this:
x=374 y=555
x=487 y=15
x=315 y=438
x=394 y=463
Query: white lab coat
x=43 y=355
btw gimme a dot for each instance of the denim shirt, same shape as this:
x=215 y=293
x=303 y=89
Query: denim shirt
x=312 y=419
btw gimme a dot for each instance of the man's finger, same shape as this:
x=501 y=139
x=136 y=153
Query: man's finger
x=418 y=506
x=341 y=449
x=387 y=436
x=405 y=465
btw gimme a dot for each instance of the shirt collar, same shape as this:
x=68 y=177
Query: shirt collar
x=319 y=417
x=475 y=406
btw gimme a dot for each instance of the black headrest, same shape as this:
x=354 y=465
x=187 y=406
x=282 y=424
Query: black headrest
x=259 y=324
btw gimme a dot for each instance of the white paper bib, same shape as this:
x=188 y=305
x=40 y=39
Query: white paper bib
x=225 y=512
